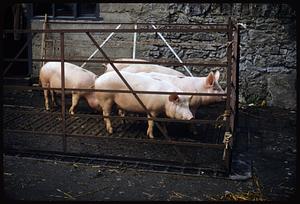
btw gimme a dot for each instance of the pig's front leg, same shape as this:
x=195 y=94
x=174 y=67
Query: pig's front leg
x=106 y=112
x=75 y=99
x=122 y=114
x=150 y=126
x=193 y=127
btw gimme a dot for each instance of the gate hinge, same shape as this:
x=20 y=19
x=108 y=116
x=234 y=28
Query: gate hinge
x=227 y=141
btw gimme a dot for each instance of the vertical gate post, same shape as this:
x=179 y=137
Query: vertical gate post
x=235 y=77
x=227 y=150
x=63 y=112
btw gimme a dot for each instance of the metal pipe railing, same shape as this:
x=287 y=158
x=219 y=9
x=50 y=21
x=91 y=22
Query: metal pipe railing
x=206 y=64
x=109 y=30
x=63 y=105
x=113 y=91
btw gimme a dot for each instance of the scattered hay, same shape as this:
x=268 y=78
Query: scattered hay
x=241 y=196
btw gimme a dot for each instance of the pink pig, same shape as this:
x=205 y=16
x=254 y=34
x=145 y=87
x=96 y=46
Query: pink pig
x=173 y=106
x=208 y=84
x=75 y=77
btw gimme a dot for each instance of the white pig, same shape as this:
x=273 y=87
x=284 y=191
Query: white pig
x=208 y=84
x=75 y=77
x=135 y=68
x=173 y=106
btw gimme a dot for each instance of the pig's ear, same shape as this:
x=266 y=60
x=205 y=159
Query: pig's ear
x=173 y=98
x=210 y=79
x=217 y=75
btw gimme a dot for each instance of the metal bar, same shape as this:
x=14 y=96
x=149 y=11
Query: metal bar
x=117 y=161
x=122 y=117
x=236 y=54
x=229 y=69
x=134 y=43
x=154 y=141
x=137 y=23
x=140 y=30
x=207 y=64
x=228 y=99
x=105 y=41
x=18 y=54
x=63 y=104
x=16 y=87
x=162 y=37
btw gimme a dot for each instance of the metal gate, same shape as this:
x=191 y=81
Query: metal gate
x=32 y=131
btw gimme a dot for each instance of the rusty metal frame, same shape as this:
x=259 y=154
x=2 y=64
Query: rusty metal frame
x=208 y=64
x=232 y=64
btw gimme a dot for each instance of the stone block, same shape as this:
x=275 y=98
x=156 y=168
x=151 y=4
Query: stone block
x=226 y=8
x=199 y=9
x=287 y=11
x=282 y=89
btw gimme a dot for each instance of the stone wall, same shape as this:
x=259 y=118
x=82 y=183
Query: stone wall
x=268 y=44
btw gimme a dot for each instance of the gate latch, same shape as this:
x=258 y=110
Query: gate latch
x=227 y=141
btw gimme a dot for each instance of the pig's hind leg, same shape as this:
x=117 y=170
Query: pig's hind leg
x=75 y=100
x=53 y=99
x=46 y=96
x=192 y=126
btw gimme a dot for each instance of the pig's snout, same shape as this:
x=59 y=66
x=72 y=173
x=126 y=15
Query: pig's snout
x=187 y=117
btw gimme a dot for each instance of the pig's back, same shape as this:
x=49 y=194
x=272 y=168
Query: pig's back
x=138 y=81
x=136 y=68
x=75 y=76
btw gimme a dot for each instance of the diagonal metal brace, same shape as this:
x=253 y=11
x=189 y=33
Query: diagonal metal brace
x=132 y=91
x=19 y=53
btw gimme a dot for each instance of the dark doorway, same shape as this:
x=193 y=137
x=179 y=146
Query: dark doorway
x=12 y=42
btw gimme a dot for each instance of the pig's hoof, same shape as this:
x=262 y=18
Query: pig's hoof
x=150 y=136
x=110 y=130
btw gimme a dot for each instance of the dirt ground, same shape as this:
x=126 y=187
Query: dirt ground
x=264 y=168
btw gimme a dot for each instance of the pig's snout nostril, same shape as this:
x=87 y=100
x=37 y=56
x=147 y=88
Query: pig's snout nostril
x=191 y=118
